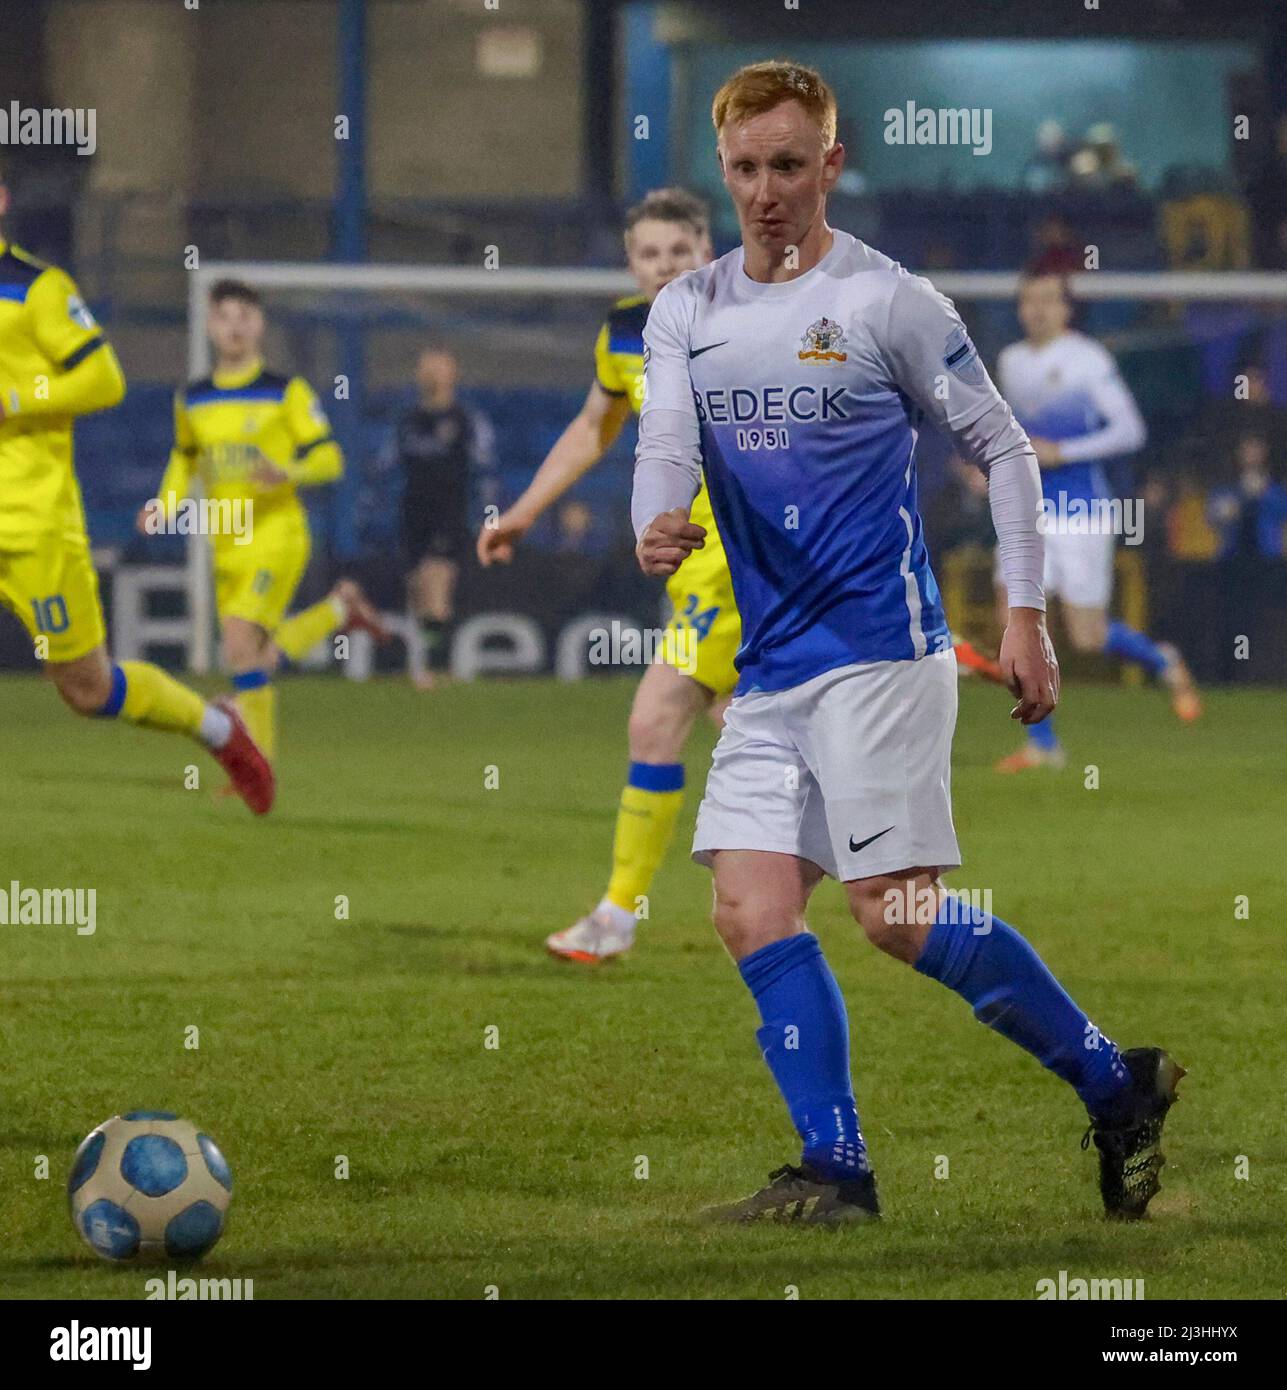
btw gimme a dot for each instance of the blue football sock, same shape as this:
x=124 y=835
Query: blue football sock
x=1128 y=645
x=805 y=1041
x=1043 y=735
x=1010 y=989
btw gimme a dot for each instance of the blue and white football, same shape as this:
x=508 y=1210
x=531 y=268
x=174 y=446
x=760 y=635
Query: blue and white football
x=149 y=1186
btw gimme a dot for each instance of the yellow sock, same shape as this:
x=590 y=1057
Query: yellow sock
x=143 y=694
x=299 y=635
x=257 y=700
x=650 y=804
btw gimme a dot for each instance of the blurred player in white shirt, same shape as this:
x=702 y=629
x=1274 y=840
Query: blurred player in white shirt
x=1066 y=392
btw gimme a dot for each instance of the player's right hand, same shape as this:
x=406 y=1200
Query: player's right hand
x=496 y=542
x=667 y=542
x=1029 y=666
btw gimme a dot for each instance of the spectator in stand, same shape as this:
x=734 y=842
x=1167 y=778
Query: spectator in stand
x=1098 y=163
x=1250 y=515
x=1047 y=168
x=1226 y=422
x=575 y=523
x=1180 y=547
x=1057 y=249
x=584 y=531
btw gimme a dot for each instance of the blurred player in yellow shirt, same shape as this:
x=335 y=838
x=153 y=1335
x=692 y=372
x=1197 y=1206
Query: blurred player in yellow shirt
x=253 y=439
x=666 y=234
x=55 y=365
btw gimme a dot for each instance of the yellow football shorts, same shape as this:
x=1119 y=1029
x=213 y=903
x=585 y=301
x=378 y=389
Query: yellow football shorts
x=258 y=581
x=705 y=631
x=54 y=593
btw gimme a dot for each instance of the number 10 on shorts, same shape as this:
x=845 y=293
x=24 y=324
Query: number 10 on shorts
x=51 y=614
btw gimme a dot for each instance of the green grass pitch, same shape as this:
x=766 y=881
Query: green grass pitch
x=519 y=1167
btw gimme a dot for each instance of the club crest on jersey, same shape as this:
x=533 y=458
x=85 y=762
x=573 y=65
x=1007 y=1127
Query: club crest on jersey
x=962 y=357
x=822 y=342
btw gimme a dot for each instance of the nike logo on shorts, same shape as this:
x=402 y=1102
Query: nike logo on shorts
x=862 y=844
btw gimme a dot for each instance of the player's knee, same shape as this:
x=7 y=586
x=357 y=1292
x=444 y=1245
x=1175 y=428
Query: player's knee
x=654 y=735
x=728 y=915
x=242 y=649
x=879 y=907
x=745 y=925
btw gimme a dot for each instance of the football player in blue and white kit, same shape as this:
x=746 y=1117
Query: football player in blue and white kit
x=1067 y=394
x=794 y=373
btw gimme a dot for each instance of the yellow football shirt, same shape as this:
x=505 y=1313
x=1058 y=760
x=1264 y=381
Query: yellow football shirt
x=619 y=370
x=227 y=424
x=45 y=331
x=706 y=629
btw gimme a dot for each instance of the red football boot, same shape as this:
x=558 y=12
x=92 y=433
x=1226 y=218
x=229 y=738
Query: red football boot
x=249 y=772
x=360 y=614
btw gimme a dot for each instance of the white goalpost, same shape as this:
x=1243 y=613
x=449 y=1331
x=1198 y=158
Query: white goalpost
x=590 y=292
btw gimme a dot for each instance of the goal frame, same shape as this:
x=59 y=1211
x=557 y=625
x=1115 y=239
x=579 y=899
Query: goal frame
x=330 y=276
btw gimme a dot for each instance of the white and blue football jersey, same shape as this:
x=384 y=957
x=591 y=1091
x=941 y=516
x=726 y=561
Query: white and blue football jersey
x=808 y=396
x=1069 y=391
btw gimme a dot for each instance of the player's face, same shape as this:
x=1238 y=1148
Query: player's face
x=1044 y=310
x=659 y=251
x=437 y=373
x=778 y=175
x=236 y=328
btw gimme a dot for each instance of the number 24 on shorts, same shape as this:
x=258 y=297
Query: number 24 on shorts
x=699 y=622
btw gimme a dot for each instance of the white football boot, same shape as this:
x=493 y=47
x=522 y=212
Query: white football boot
x=606 y=932
x=1185 y=700
x=1031 y=756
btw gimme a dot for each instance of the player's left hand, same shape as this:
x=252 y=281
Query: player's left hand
x=1029 y=665
x=667 y=541
x=266 y=473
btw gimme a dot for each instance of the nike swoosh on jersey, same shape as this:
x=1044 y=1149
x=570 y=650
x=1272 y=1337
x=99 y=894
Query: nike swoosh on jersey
x=697 y=352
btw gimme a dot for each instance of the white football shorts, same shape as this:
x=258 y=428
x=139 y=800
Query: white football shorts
x=1079 y=569
x=851 y=770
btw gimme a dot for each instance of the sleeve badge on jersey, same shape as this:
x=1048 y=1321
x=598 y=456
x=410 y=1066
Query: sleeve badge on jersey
x=822 y=342
x=962 y=357
x=78 y=312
